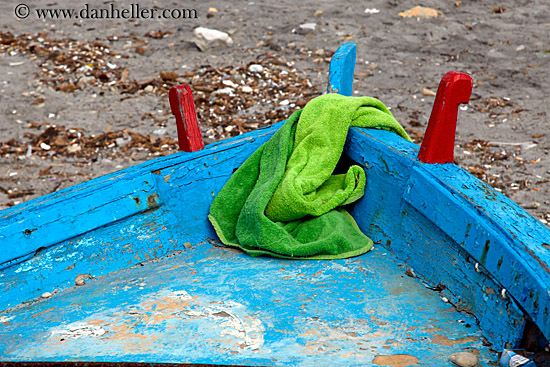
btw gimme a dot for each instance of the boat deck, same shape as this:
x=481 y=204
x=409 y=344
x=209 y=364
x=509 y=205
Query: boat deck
x=212 y=304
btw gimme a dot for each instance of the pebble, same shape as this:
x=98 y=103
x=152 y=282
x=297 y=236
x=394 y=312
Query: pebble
x=46 y=295
x=81 y=279
x=410 y=272
x=255 y=68
x=237 y=77
x=306 y=28
x=122 y=142
x=226 y=90
x=206 y=38
x=141 y=156
x=74 y=148
x=427 y=92
x=372 y=11
x=463 y=359
x=81 y=83
x=229 y=83
x=45 y=146
x=149 y=88
x=533 y=205
x=247 y=89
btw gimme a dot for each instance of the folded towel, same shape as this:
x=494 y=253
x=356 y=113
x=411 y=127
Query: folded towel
x=283 y=201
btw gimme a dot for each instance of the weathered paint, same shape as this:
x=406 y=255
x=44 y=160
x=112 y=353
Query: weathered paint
x=341 y=70
x=389 y=218
x=211 y=304
x=183 y=109
x=64 y=219
x=492 y=229
x=91 y=244
x=161 y=209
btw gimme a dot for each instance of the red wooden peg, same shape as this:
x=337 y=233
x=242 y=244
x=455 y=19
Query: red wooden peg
x=438 y=143
x=183 y=107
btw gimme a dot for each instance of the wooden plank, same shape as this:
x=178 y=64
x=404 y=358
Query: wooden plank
x=63 y=219
x=510 y=244
x=341 y=70
x=441 y=225
x=185 y=182
x=183 y=108
x=217 y=305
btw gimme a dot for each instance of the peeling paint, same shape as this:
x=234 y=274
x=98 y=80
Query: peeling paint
x=76 y=331
x=4 y=318
x=169 y=310
x=41 y=312
x=217 y=303
x=395 y=360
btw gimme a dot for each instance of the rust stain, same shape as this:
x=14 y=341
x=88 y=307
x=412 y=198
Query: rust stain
x=48 y=310
x=156 y=172
x=445 y=341
x=27 y=232
x=395 y=360
x=486 y=248
x=499 y=264
x=152 y=200
x=137 y=200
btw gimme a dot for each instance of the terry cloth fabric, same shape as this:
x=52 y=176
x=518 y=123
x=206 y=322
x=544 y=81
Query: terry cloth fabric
x=283 y=201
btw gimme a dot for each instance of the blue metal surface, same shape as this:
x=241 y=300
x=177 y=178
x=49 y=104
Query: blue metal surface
x=453 y=230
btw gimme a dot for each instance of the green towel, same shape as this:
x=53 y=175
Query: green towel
x=283 y=201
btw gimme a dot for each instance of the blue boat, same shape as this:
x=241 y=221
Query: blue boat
x=127 y=268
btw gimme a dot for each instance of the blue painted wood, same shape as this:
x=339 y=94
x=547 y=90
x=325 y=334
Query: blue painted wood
x=391 y=219
x=507 y=241
x=184 y=185
x=342 y=66
x=217 y=305
x=436 y=218
x=65 y=219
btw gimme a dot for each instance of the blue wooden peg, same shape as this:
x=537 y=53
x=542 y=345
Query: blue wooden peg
x=342 y=66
